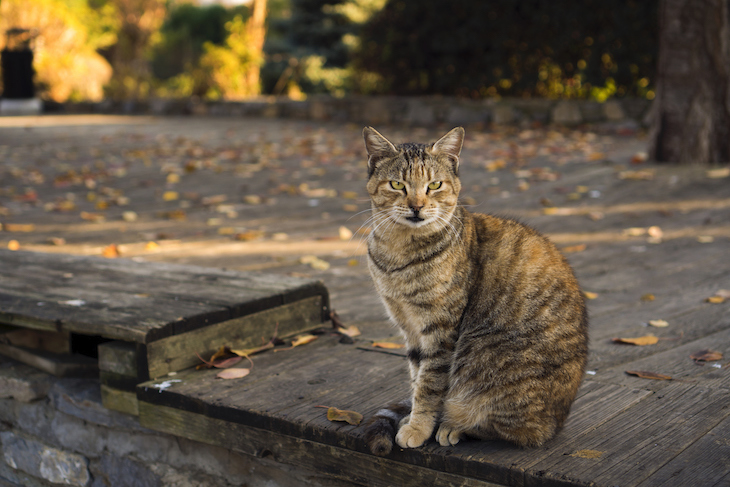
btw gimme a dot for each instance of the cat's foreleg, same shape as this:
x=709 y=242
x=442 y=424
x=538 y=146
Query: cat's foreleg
x=430 y=378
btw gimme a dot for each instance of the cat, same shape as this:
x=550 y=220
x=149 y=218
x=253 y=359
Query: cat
x=494 y=320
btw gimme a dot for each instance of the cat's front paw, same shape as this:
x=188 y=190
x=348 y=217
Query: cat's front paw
x=410 y=436
x=447 y=436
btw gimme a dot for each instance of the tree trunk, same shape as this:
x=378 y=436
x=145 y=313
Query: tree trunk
x=690 y=120
x=256 y=27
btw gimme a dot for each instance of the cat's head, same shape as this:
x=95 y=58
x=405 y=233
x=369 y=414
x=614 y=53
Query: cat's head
x=416 y=185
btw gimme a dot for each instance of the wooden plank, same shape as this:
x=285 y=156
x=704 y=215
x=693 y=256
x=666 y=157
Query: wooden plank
x=675 y=362
x=706 y=461
x=337 y=463
x=134 y=301
x=178 y=352
x=636 y=443
x=49 y=341
x=58 y=364
x=284 y=388
x=119 y=358
x=119 y=400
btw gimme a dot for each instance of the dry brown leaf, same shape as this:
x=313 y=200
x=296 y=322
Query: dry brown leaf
x=13 y=245
x=111 y=251
x=640 y=341
x=352 y=331
x=590 y=295
x=706 y=356
x=235 y=373
x=719 y=297
x=648 y=375
x=658 y=323
x=648 y=297
x=19 y=227
x=351 y=417
x=303 y=339
x=388 y=345
x=574 y=248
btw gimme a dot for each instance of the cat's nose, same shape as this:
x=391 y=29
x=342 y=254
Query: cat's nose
x=416 y=208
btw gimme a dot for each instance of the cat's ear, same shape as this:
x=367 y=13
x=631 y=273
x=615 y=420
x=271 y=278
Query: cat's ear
x=377 y=147
x=450 y=145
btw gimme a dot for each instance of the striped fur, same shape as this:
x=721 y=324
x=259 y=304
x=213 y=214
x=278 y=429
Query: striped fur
x=493 y=318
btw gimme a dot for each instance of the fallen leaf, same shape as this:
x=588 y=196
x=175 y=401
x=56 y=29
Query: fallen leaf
x=351 y=417
x=345 y=233
x=574 y=248
x=170 y=195
x=129 y=216
x=719 y=297
x=706 y=356
x=350 y=208
x=388 y=345
x=228 y=362
x=658 y=323
x=92 y=217
x=640 y=341
x=590 y=295
x=151 y=246
x=639 y=158
x=111 y=251
x=352 y=331
x=249 y=235
x=13 y=245
x=648 y=375
x=19 y=227
x=718 y=173
x=591 y=454
x=252 y=199
x=303 y=339
x=234 y=373
x=645 y=175
x=648 y=297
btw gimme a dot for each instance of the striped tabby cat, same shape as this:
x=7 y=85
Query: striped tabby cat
x=494 y=321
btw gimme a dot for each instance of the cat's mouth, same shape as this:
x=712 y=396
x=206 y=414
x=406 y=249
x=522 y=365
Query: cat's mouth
x=414 y=219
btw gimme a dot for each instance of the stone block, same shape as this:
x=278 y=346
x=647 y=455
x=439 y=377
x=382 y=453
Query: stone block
x=503 y=114
x=22 y=382
x=82 y=398
x=419 y=113
x=466 y=115
x=566 y=113
x=123 y=472
x=614 y=111
x=43 y=461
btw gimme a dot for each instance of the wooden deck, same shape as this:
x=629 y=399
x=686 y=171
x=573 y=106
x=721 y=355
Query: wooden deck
x=623 y=430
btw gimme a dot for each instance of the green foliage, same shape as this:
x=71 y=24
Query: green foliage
x=224 y=66
x=176 y=58
x=315 y=46
x=474 y=48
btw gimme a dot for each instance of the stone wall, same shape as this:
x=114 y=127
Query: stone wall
x=56 y=432
x=381 y=110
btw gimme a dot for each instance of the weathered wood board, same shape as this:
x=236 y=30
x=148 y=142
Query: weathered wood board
x=158 y=316
x=273 y=410
x=132 y=301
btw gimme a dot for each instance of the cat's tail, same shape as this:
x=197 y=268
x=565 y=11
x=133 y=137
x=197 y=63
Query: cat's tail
x=380 y=430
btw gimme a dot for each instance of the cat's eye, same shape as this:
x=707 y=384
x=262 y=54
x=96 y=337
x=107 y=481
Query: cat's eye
x=434 y=185
x=397 y=185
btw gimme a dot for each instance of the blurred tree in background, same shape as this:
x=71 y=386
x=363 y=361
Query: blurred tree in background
x=470 y=48
x=69 y=35
x=558 y=49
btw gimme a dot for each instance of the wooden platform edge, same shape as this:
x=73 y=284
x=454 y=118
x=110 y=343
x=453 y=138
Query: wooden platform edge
x=60 y=365
x=178 y=352
x=335 y=462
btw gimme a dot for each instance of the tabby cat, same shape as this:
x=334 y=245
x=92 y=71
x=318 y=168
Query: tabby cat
x=494 y=321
